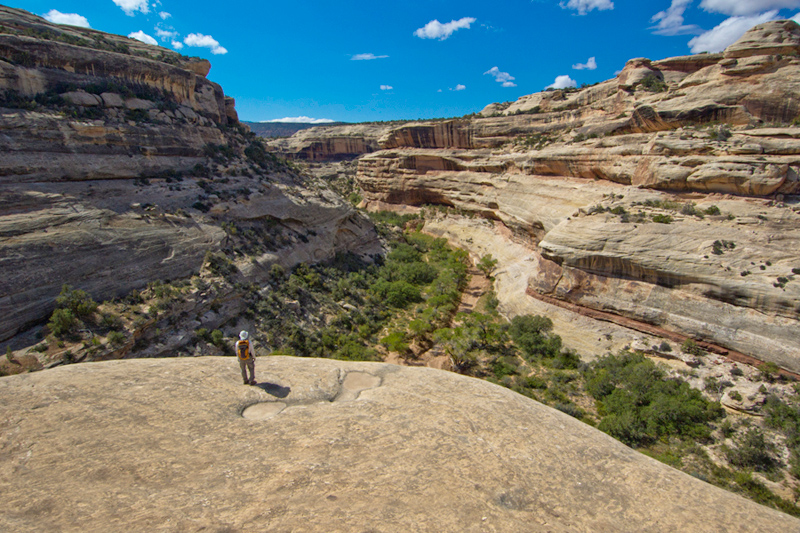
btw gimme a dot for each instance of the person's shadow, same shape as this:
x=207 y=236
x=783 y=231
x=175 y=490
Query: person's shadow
x=274 y=389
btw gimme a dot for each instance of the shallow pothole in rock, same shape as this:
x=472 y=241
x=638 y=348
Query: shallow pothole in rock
x=264 y=410
x=355 y=383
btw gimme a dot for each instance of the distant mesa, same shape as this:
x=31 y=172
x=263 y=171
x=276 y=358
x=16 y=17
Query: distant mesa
x=283 y=129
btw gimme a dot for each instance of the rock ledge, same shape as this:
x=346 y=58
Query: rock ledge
x=162 y=443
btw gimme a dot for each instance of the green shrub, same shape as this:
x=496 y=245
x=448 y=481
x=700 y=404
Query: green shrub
x=692 y=348
x=487 y=264
x=769 y=368
x=62 y=322
x=641 y=404
x=397 y=294
x=720 y=134
x=690 y=209
x=535 y=382
x=404 y=253
x=571 y=409
x=727 y=429
x=566 y=359
x=662 y=219
x=753 y=451
x=352 y=350
x=505 y=366
x=77 y=301
x=390 y=218
x=712 y=210
x=417 y=273
x=654 y=84
x=116 y=338
x=219 y=264
x=530 y=334
x=395 y=342
x=217 y=338
x=718 y=247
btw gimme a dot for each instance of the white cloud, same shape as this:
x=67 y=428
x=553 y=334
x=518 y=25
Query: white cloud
x=747 y=7
x=796 y=18
x=386 y=87
x=727 y=32
x=562 y=82
x=436 y=30
x=670 y=21
x=72 y=19
x=303 y=120
x=204 y=41
x=177 y=45
x=166 y=35
x=501 y=77
x=366 y=57
x=143 y=37
x=584 y=6
x=589 y=65
x=132 y=6
x=459 y=87
x=164 y=15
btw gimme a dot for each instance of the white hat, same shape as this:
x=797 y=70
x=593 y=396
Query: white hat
x=243 y=335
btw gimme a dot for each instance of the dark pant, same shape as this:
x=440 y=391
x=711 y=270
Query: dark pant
x=245 y=365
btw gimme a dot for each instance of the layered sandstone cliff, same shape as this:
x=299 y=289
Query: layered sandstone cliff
x=121 y=164
x=666 y=196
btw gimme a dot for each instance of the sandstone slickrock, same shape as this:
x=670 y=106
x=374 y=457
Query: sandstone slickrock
x=693 y=133
x=325 y=445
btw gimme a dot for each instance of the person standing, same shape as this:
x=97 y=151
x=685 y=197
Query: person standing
x=247 y=357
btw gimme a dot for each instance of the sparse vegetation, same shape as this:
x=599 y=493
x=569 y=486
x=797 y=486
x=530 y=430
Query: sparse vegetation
x=487 y=264
x=720 y=134
x=691 y=347
x=654 y=84
x=718 y=247
x=641 y=405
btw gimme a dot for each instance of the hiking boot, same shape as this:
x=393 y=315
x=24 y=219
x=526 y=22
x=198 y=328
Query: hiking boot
x=252 y=382
x=246 y=382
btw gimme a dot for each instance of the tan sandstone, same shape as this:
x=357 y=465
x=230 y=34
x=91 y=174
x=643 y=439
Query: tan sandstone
x=325 y=445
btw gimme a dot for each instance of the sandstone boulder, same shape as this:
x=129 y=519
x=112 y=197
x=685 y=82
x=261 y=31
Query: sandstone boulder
x=112 y=100
x=323 y=445
x=82 y=98
x=138 y=103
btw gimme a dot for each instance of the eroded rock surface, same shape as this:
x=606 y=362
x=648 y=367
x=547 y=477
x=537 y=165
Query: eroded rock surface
x=144 y=444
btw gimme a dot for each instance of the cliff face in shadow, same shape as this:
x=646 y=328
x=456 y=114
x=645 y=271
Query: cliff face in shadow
x=667 y=195
x=122 y=165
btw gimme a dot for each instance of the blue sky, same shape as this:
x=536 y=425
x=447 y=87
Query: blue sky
x=353 y=60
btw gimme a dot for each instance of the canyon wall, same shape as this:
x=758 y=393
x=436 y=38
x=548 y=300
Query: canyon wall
x=666 y=196
x=122 y=165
